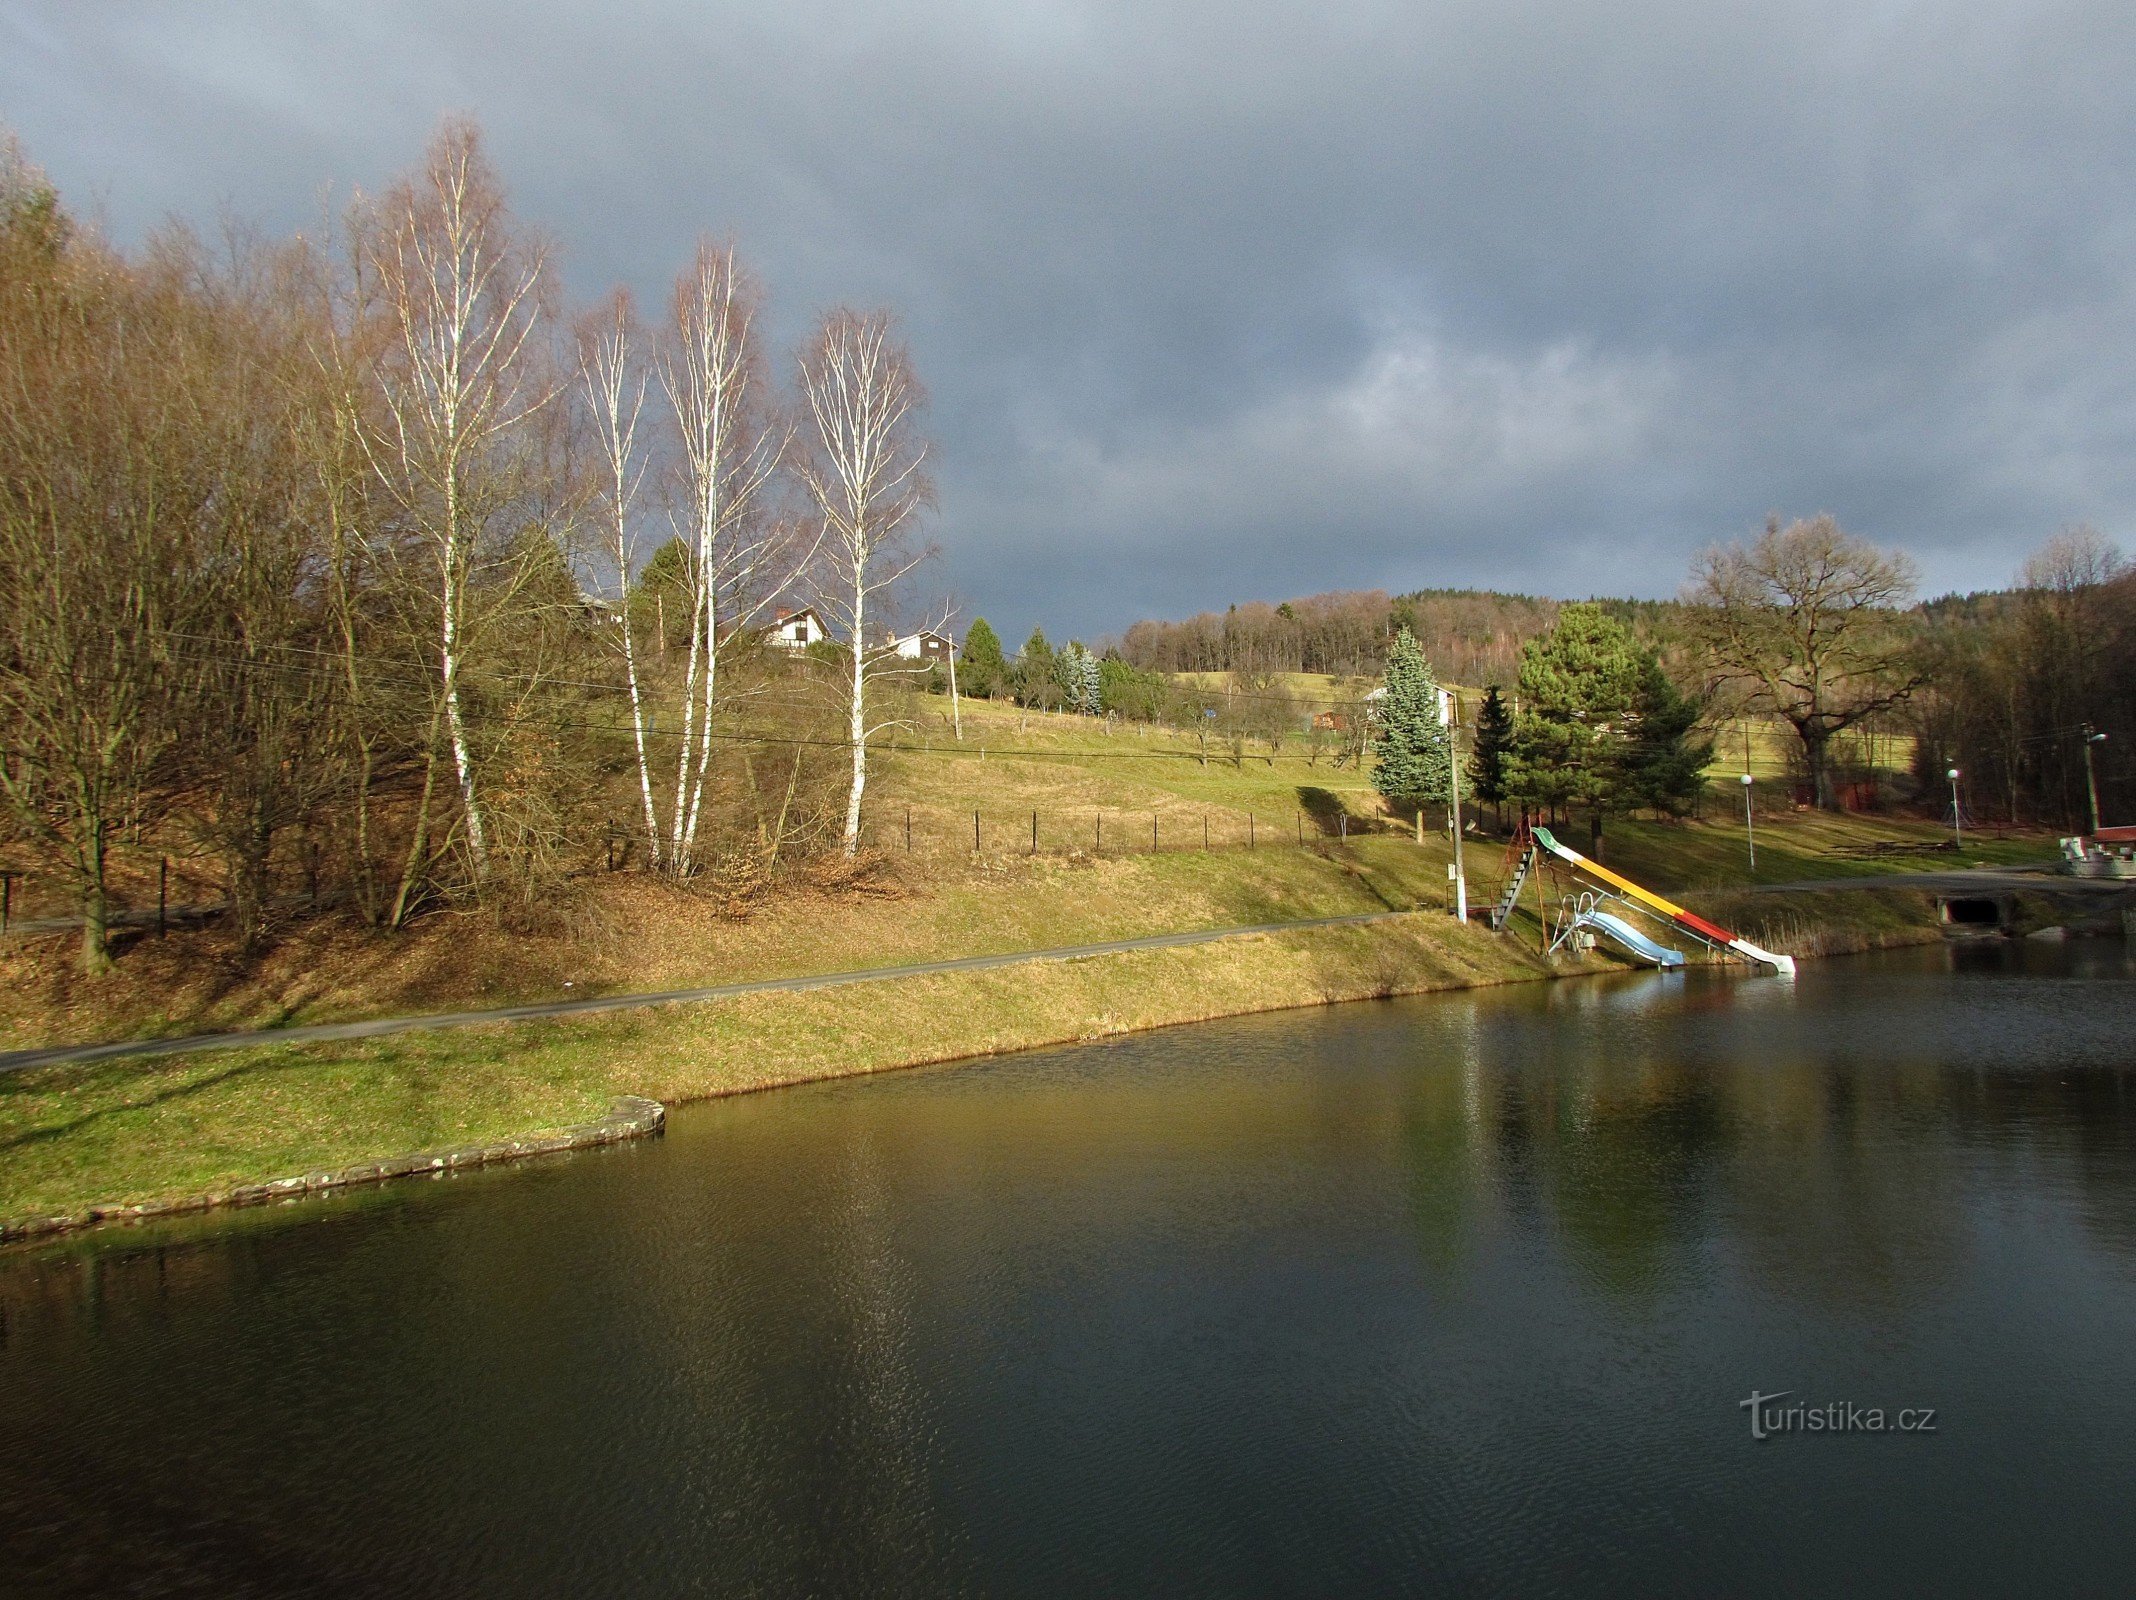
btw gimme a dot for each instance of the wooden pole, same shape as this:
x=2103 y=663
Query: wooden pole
x=975 y=830
x=163 y=893
x=1034 y=833
x=1205 y=830
x=1249 y=830
x=908 y=830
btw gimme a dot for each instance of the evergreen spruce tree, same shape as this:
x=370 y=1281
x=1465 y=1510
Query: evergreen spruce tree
x=1034 y=680
x=981 y=670
x=1666 y=761
x=1077 y=670
x=1487 y=761
x=1412 y=759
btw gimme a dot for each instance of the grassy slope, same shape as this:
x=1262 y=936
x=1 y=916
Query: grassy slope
x=70 y=1137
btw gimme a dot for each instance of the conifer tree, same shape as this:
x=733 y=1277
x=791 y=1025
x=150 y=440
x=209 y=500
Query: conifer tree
x=1035 y=685
x=1487 y=762
x=982 y=670
x=1666 y=761
x=1412 y=759
x=1601 y=728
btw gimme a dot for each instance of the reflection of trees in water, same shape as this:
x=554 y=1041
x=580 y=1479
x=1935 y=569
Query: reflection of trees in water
x=1588 y=1116
x=879 y=1426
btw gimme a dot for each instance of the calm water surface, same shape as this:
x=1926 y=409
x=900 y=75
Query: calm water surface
x=1460 y=1293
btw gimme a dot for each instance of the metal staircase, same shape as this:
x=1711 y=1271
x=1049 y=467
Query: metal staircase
x=1519 y=862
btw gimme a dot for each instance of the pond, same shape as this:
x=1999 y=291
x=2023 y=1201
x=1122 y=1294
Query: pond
x=1462 y=1293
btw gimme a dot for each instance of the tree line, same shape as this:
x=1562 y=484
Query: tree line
x=1807 y=625
x=361 y=543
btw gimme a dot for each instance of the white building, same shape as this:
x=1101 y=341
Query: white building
x=926 y=645
x=796 y=630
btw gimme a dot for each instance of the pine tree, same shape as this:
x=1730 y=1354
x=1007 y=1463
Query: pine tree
x=1578 y=683
x=1412 y=759
x=982 y=670
x=1601 y=728
x=1487 y=762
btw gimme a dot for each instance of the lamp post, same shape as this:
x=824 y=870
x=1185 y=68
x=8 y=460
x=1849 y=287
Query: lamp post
x=2091 y=781
x=1957 y=818
x=1750 y=831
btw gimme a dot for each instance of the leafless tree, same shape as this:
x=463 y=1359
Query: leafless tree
x=464 y=299
x=613 y=382
x=863 y=475
x=121 y=470
x=1809 y=620
x=730 y=453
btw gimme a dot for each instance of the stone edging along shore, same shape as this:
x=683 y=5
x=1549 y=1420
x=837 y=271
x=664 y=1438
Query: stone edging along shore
x=629 y=1117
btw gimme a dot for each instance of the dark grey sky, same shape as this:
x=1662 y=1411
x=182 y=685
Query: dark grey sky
x=1232 y=300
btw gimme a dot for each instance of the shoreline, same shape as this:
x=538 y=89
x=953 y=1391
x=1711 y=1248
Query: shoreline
x=732 y=1045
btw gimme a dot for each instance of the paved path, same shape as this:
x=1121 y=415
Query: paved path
x=379 y=1027
x=1983 y=880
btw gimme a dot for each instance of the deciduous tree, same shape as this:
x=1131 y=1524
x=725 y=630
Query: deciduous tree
x=1810 y=621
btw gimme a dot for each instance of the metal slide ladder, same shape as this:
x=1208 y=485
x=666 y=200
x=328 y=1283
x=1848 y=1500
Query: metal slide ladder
x=1520 y=861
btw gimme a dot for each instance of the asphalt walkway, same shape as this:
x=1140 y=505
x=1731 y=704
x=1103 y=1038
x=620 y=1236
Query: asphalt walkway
x=595 y=1005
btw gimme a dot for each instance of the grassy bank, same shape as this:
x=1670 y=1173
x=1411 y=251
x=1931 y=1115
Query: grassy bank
x=117 y=1133
x=76 y=1137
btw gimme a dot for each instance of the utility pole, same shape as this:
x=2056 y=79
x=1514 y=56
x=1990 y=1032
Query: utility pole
x=1750 y=829
x=1453 y=788
x=2091 y=780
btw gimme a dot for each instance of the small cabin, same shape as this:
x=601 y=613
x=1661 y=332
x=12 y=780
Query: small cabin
x=796 y=629
x=926 y=646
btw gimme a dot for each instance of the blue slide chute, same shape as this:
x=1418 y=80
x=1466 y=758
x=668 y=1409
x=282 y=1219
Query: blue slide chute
x=1630 y=937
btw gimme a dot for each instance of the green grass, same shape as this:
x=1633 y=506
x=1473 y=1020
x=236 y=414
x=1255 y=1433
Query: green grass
x=120 y=1133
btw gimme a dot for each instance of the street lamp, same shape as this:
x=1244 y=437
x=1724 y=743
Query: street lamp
x=1750 y=831
x=2091 y=781
x=1957 y=821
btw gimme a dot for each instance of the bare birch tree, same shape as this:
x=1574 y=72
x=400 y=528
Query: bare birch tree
x=613 y=380
x=464 y=299
x=730 y=452
x=863 y=474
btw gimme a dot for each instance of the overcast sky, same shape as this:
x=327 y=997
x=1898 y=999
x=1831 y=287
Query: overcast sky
x=1230 y=300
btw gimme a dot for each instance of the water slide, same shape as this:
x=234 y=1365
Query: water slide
x=1689 y=921
x=1630 y=937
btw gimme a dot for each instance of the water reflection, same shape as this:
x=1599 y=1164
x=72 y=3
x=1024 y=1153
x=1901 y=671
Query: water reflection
x=1456 y=1292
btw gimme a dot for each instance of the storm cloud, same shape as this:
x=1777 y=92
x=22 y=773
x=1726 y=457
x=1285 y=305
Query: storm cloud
x=1221 y=301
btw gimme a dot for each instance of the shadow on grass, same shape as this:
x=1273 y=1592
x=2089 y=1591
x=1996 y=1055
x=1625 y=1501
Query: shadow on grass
x=175 y=1091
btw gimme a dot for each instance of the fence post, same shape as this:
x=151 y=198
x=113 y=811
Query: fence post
x=1205 y=830
x=1301 y=826
x=1034 y=833
x=908 y=830
x=1249 y=830
x=1101 y=834
x=975 y=830
x=163 y=892
x=7 y=899
x=1153 y=832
